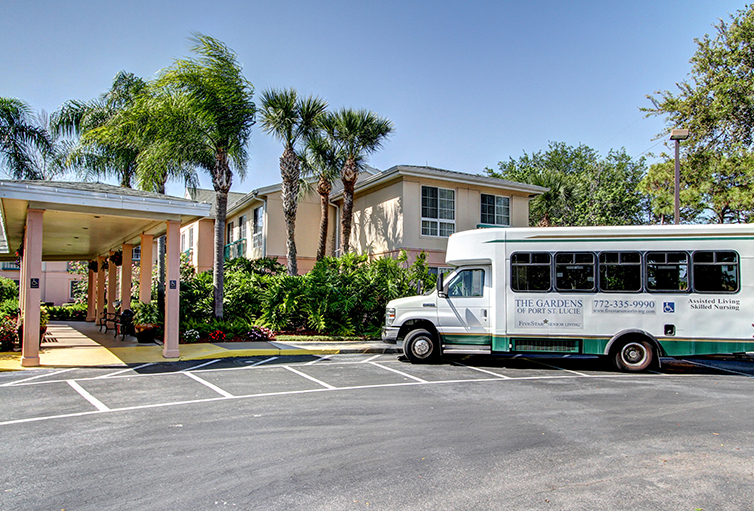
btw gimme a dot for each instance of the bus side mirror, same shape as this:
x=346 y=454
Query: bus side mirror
x=440 y=287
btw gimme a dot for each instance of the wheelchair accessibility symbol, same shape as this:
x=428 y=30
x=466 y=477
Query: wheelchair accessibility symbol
x=668 y=307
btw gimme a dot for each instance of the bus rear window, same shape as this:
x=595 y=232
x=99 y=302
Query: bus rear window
x=667 y=272
x=620 y=271
x=530 y=271
x=715 y=272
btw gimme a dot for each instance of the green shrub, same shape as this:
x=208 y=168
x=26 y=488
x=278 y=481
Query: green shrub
x=340 y=296
x=9 y=308
x=73 y=312
x=8 y=289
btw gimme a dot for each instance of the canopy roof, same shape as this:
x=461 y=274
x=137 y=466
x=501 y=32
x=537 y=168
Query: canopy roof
x=84 y=220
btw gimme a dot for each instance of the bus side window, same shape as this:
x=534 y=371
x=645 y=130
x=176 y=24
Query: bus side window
x=574 y=271
x=467 y=283
x=715 y=272
x=667 y=271
x=620 y=271
x=530 y=271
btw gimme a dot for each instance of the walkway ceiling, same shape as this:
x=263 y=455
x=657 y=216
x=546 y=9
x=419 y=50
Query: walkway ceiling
x=84 y=220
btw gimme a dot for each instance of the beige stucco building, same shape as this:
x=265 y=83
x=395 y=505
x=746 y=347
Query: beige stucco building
x=406 y=207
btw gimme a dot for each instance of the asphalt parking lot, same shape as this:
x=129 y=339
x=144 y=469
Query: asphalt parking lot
x=344 y=431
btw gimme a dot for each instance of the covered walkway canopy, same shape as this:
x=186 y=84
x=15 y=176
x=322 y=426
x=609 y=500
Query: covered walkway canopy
x=69 y=221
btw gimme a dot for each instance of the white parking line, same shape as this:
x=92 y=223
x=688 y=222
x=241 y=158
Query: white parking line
x=483 y=371
x=369 y=359
x=99 y=405
x=36 y=377
x=210 y=385
x=320 y=359
x=326 y=385
x=398 y=372
x=262 y=361
x=101 y=408
x=200 y=365
x=123 y=371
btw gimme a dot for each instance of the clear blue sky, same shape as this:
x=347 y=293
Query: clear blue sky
x=466 y=83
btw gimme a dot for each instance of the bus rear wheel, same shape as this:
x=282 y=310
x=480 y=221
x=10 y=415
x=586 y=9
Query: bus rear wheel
x=634 y=355
x=420 y=346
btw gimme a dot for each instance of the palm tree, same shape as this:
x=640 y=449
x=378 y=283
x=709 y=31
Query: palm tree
x=322 y=162
x=356 y=134
x=200 y=114
x=290 y=119
x=102 y=151
x=20 y=135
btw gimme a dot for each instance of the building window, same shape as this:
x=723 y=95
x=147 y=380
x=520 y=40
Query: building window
x=183 y=242
x=257 y=227
x=230 y=233
x=438 y=211
x=496 y=210
x=72 y=289
x=242 y=227
x=136 y=253
x=191 y=238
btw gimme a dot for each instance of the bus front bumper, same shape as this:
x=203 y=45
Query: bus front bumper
x=390 y=334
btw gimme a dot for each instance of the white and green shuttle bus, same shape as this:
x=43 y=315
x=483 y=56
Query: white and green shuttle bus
x=629 y=293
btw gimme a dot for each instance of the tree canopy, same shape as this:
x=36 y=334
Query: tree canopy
x=716 y=104
x=584 y=188
x=716 y=100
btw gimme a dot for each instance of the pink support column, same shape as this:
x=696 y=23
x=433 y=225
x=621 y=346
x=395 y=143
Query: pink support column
x=145 y=277
x=172 y=290
x=125 y=278
x=112 y=285
x=32 y=263
x=100 y=287
x=91 y=297
x=21 y=280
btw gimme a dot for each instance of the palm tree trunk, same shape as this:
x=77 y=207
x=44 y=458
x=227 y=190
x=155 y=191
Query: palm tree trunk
x=221 y=181
x=323 y=188
x=289 y=170
x=350 y=174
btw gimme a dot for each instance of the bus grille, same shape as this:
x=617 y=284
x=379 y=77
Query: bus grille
x=547 y=345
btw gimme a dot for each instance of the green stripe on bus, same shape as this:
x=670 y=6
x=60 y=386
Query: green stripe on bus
x=633 y=240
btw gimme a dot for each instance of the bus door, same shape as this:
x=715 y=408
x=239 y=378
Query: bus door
x=464 y=314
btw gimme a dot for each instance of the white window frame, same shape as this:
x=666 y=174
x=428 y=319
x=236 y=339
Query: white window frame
x=257 y=227
x=242 y=227
x=446 y=217
x=496 y=213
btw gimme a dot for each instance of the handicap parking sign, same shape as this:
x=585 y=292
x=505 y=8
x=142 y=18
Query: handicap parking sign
x=668 y=307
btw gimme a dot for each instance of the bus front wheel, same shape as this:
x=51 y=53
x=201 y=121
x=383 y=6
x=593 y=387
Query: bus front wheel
x=420 y=346
x=634 y=355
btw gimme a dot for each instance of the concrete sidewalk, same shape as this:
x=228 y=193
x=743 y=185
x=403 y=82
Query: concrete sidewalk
x=78 y=344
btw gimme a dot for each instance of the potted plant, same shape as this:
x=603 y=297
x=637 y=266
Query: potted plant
x=117 y=258
x=147 y=320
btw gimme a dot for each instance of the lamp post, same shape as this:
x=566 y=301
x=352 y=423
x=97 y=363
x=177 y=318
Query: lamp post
x=678 y=135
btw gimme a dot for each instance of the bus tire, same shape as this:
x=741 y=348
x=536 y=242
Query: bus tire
x=634 y=355
x=420 y=346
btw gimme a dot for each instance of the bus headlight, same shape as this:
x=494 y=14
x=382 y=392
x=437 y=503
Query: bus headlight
x=389 y=316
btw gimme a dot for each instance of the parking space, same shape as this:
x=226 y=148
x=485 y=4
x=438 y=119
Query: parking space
x=68 y=392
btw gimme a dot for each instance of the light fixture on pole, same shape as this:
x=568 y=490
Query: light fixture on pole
x=678 y=135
